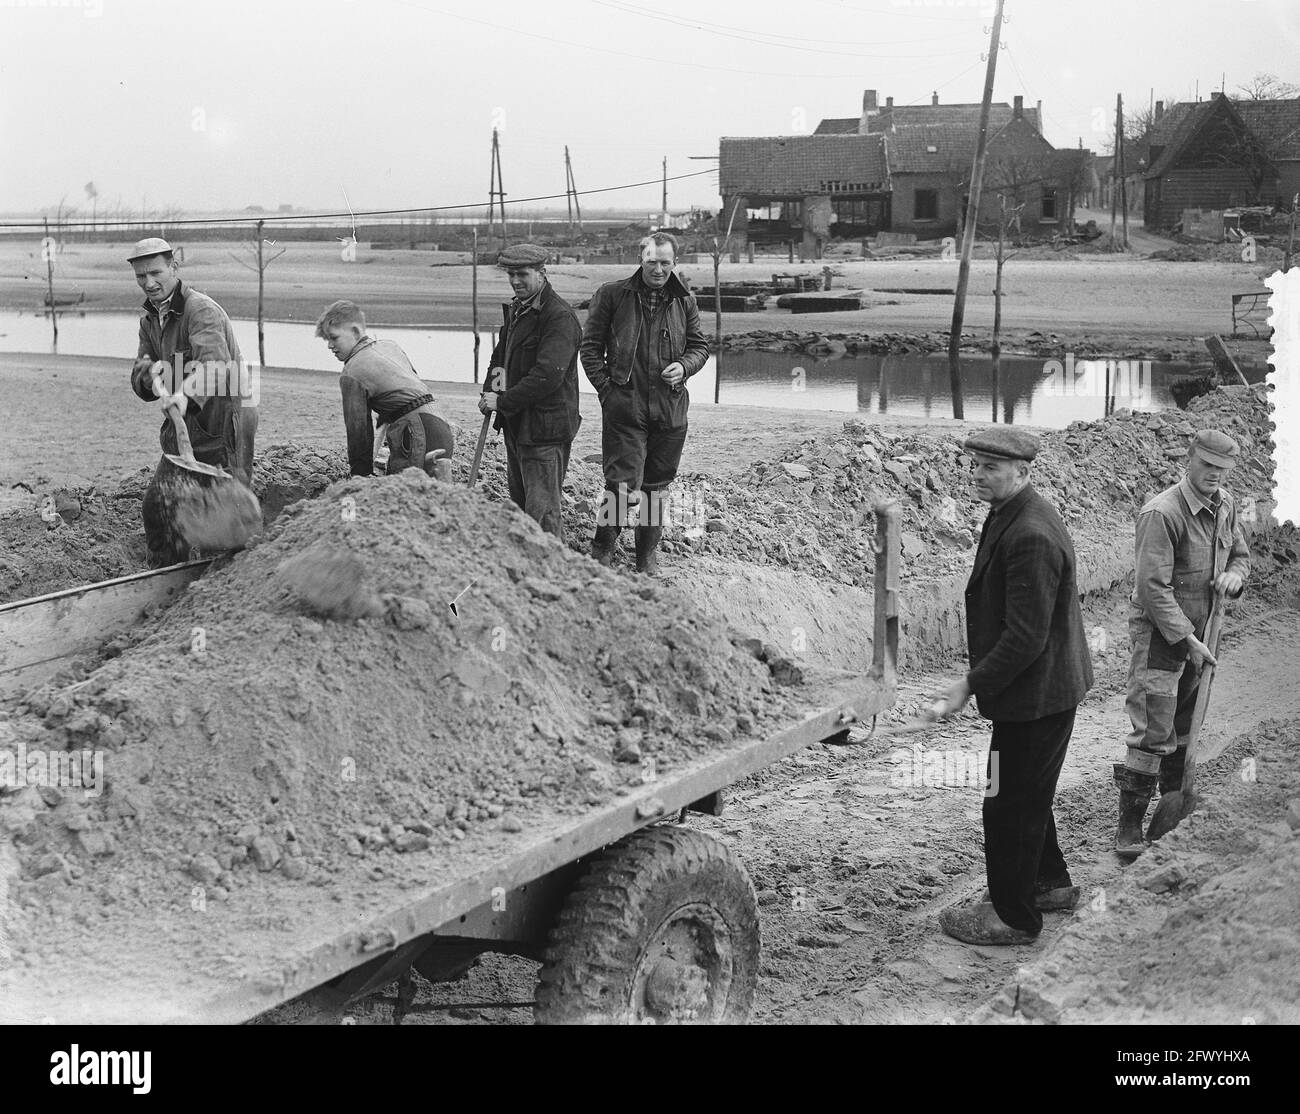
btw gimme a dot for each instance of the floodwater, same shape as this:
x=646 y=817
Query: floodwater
x=1030 y=391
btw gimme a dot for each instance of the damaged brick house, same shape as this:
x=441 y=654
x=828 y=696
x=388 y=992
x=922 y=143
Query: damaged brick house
x=894 y=169
x=1220 y=154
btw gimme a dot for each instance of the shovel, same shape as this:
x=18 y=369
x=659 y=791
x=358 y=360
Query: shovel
x=212 y=511
x=1175 y=805
x=478 y=449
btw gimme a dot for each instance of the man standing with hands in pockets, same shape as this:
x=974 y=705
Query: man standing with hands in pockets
x=641 y=343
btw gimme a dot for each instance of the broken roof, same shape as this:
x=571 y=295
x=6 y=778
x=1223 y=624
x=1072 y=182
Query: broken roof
x=802 y=164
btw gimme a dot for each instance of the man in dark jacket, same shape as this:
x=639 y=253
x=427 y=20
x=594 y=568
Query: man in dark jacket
x=641 y=343
x=187 y=339
x=533 y=386
x=1030 y=667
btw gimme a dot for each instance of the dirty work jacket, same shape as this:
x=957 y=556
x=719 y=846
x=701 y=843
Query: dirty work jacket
x=1024 y=629
x=538 y=347
x=1183 y=543
x=611 y=340
x=221 y=426
x=378 y=376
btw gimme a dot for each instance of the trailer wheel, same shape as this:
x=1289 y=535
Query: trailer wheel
x=662 y=928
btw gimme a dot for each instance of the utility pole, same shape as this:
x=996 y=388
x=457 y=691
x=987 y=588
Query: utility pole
x=571 y=195
x=972 y=214
x=496 y=191
x=48 y=248
x=663 y=210
x=1114 y=166
x=1123 y=171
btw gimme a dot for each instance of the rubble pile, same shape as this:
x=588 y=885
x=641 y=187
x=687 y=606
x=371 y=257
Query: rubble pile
x=250 y=742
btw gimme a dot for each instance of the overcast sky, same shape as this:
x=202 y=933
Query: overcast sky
x=229 y=103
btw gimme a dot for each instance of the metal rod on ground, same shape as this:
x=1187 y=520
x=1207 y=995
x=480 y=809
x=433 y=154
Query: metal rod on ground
x=474 y=303
x=972 y=216
x=47 y=246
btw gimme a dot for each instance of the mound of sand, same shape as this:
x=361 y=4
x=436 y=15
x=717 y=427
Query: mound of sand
x=296 y=773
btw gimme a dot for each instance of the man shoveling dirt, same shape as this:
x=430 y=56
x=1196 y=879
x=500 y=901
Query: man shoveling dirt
x=188 y=346
x=1190 y=544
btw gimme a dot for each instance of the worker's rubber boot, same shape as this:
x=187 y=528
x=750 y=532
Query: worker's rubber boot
x=602 y=545
x=1171 y=769
x=647 y=541
x=1135 y=791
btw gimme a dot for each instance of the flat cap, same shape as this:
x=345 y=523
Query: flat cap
x=523 y=255
x=1003 y=441
x=1216 y=447
x=152 y=245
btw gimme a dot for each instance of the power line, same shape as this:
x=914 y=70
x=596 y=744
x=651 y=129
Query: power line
x=276 y=218
x=785 y=42
x=692 y=65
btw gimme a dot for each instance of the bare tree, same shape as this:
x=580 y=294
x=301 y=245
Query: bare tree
x=1268 y=87
x=262 y=261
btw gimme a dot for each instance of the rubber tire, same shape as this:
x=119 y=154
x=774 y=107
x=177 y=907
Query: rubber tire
x=612 y=914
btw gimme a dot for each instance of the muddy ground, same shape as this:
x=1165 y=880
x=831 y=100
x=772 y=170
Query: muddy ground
x=850 y=906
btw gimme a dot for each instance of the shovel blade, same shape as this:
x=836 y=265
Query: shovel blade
x=1170 y=810
x=198 y=467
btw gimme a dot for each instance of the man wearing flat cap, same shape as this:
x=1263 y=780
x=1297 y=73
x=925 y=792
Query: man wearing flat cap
x=187 y=339
x=1029 y=668
x=533 y=386
x=1190 y=547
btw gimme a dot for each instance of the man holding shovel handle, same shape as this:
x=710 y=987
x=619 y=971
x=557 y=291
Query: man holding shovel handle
x=1191 y=554
x=186 y=338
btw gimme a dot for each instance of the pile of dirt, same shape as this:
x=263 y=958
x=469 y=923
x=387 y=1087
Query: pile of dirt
x=1196 y=251
x=809 y=509
x=1204 y=928
x=64 y=537
x=253 y=745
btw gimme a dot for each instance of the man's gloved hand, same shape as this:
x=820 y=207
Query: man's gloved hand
x=142 y=378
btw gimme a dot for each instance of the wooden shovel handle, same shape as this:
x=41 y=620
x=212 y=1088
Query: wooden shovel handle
x=1203 y=694
x=478 y=449
x=172 y=408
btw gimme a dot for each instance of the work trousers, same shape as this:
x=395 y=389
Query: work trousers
x=412 y=436
x=535 y=475
x=1020 y=845
x=1161 y=696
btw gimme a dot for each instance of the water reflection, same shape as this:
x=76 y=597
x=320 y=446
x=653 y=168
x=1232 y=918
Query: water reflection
x=1029 y=390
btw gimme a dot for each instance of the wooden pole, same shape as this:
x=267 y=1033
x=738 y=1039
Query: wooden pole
x=972 y=215
x=261 y=280
x=474 y=303
x=1290 y=240
x=1123 y=173
x=717 y=302
x=996 y=347
x=48 y=245
x=663 y=211
x=492 y=188
x=1114 y=167
x=568 y=191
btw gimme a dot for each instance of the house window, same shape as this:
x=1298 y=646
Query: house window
x=925 y=205
x=1049 y=204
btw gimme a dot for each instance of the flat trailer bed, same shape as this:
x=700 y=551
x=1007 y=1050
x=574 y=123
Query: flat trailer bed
x=635 y=917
